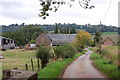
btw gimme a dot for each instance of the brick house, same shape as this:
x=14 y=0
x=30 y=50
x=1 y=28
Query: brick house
x=54 y=39
x=108 y=41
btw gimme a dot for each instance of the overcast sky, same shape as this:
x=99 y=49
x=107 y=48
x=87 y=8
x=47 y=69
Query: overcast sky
x=26 y=11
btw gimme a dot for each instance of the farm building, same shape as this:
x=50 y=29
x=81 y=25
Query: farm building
x=108 y=41
x=54 y=39
x=6 y=43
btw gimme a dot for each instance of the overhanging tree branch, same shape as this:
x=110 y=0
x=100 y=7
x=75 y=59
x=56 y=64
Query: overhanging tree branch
x=53 y=5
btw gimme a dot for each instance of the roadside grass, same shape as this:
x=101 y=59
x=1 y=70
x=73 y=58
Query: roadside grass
x=105 y=66
x=0 y=69
x=55 y=69
x=111 y=53
x=17 y=58
x=91 y=49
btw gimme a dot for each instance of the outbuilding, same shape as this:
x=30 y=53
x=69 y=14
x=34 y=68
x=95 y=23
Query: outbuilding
x=6 y=43
x=54 y=39
x=108 y=41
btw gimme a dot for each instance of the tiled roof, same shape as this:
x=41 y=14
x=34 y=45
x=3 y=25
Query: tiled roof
x=61 y=38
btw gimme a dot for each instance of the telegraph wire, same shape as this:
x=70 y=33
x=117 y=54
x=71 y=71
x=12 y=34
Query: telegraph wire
x=107 y=11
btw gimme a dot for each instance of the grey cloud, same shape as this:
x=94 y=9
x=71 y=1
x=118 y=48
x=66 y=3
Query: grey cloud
x=9 y=5
x=16 y=10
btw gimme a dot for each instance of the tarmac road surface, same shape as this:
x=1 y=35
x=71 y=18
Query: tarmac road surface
x=82 y=68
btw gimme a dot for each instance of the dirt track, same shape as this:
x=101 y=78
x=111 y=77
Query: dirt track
x=82 y=68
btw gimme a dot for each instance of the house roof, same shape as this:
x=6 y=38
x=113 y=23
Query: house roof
x=5 y=38
x=108 y=38
x=61 y=38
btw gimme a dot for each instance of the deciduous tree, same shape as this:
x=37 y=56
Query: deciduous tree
x=82 y=38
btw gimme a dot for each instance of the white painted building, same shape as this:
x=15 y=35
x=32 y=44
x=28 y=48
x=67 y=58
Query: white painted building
x=6 y=43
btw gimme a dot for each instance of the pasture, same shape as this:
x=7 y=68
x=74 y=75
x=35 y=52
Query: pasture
x=112 y=35
x=17 y=58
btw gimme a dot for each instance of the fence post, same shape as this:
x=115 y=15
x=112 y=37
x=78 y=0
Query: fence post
x=32 y=64
x=38 y=64
x=26 y=66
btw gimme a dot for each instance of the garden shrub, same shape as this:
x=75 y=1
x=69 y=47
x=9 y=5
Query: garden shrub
x=43 y=53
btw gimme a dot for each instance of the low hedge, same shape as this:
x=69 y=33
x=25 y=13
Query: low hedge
x=55 y=69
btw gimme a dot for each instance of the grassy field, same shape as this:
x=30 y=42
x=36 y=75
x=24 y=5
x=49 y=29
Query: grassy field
x=17 y=58
x=109 y=32
x=112 y=35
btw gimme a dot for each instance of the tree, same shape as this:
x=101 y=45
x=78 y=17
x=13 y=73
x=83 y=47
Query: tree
x=72 y=31
x=56 y=30
x=30 y=32
x=17 y=36
x=24 y=35
x=62 y=31
x=65 y=51
x=59 y=51
x=82 y=39
x=97 y=38
x=53 y=5
x=43 y=53
x=69 y=51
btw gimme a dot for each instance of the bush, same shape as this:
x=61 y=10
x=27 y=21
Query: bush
x=79 y=49
x=43 y=53
x=59 y=51
x=69 y=51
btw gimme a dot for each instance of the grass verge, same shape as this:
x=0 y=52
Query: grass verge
x=55 y=69
x=0 y=69
x=105 y=66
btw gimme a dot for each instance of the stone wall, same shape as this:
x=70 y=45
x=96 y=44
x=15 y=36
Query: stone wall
x=19 y=74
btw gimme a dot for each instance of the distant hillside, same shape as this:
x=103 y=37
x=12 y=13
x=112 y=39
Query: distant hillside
x=50 y=28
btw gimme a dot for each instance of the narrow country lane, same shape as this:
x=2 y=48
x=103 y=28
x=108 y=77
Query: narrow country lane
x=82 y=68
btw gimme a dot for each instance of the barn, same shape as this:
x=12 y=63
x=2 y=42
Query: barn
x=6 y=43
x=54 y=39
x=108 y=41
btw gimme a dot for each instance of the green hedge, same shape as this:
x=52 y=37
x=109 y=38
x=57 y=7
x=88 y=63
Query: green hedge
x=55 y=69
x=105 y=66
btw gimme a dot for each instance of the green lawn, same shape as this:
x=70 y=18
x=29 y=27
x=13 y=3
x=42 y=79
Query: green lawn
x=17 y=58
